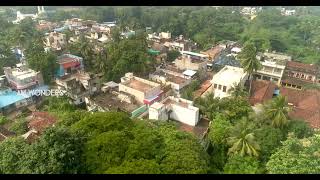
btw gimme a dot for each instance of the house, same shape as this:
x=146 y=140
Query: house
x=22 y=77
x=46 y=25
x=159 y=38
x=305 y=105
x=297 y=75
x=192 y=61
x=273 y=65
x=226 y=78
x=69 y=64
x=56 y=41
x=213 y=52
x=178 y=109
x=180 y=44
x=177 y=81
x=205 y=88
x=11 y=101
x=144 y=91
x=39 y=121
x=79 y=85
x=288 y=12
x=111 y=99
x=262 y=91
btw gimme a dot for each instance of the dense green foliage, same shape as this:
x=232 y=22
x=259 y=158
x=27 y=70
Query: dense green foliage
x=296 y=156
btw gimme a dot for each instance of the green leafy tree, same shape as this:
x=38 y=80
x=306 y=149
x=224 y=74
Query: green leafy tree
x=105 y=150
x=172 y=55
x=296 y=156
x=238 y=90
x=140 y=166
x=20 y=126
x=241 y=165
x=300 y=128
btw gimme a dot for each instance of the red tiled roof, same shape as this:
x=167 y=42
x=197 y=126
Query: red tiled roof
x=306 y=105
x=298 y=65
x=261 y=91
x=41 y=120
x=203 y=88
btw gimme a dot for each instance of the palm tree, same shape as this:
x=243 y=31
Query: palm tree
x=277 y=111
x=207 y=105
x=242 y=139
x=238 y=90
x=249 y=61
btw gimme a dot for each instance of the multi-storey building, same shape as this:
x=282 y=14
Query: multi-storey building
x=144 y=91
x=22 y=77
x=297 y=75
x=273 y=65
x=178 y=109
x=56 y=40
x=227 y=78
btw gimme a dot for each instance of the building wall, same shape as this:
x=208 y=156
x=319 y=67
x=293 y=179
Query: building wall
x=185 y=63
x=140 y=96
x=220 y=92
x=185 y=115
x=158 y=114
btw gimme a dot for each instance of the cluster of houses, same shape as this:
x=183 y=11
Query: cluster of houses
x=158 y=95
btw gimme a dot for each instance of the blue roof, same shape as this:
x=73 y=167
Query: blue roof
x=224 y=60
x=11 y=97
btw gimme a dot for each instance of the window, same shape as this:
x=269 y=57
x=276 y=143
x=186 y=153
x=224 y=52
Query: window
x=310 y=78
x=220 y=87
x=224 y=89
x=277 y=71
x=215 y=86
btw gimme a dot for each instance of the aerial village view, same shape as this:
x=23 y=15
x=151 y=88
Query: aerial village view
x=159 y=90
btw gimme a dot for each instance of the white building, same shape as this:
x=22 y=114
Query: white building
x=21 y=16
x=177 y=81
x=178 y=109
x=273 y=65
x=143 y=90
x=225 y=79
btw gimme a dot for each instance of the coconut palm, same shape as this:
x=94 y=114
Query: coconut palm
x=238 y=90
x=277 y=111
x=249 y=61
x=207 y=105
x=242 y=139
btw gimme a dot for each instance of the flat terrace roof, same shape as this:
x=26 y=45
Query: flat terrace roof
x=170 y=101
x=172 y=78
x=138 y=85
x=111 y=101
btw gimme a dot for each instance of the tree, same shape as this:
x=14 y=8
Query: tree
x=300 y=128
x=219 y=130
x=57 y=104
x=20 y=126
x=237 y=164
x=100 y=122
x=238 y=90
x=172 y=55
x=58 y=151
x=140 y=166
x=105 y=150
x=296 y=156
x=269 y=139
x=249 y=61
x=147 y=142
x=39 y=60
x=207 y=105
x=3 y=120
x=12 y=155
x=242 y=139
x=277 y=111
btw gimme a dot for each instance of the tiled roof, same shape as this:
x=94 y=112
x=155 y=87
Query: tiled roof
x=203 y=88
x=261 y=91
x=296 y=81
x=301 y=66
x=41 y=120
x=306 y=105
